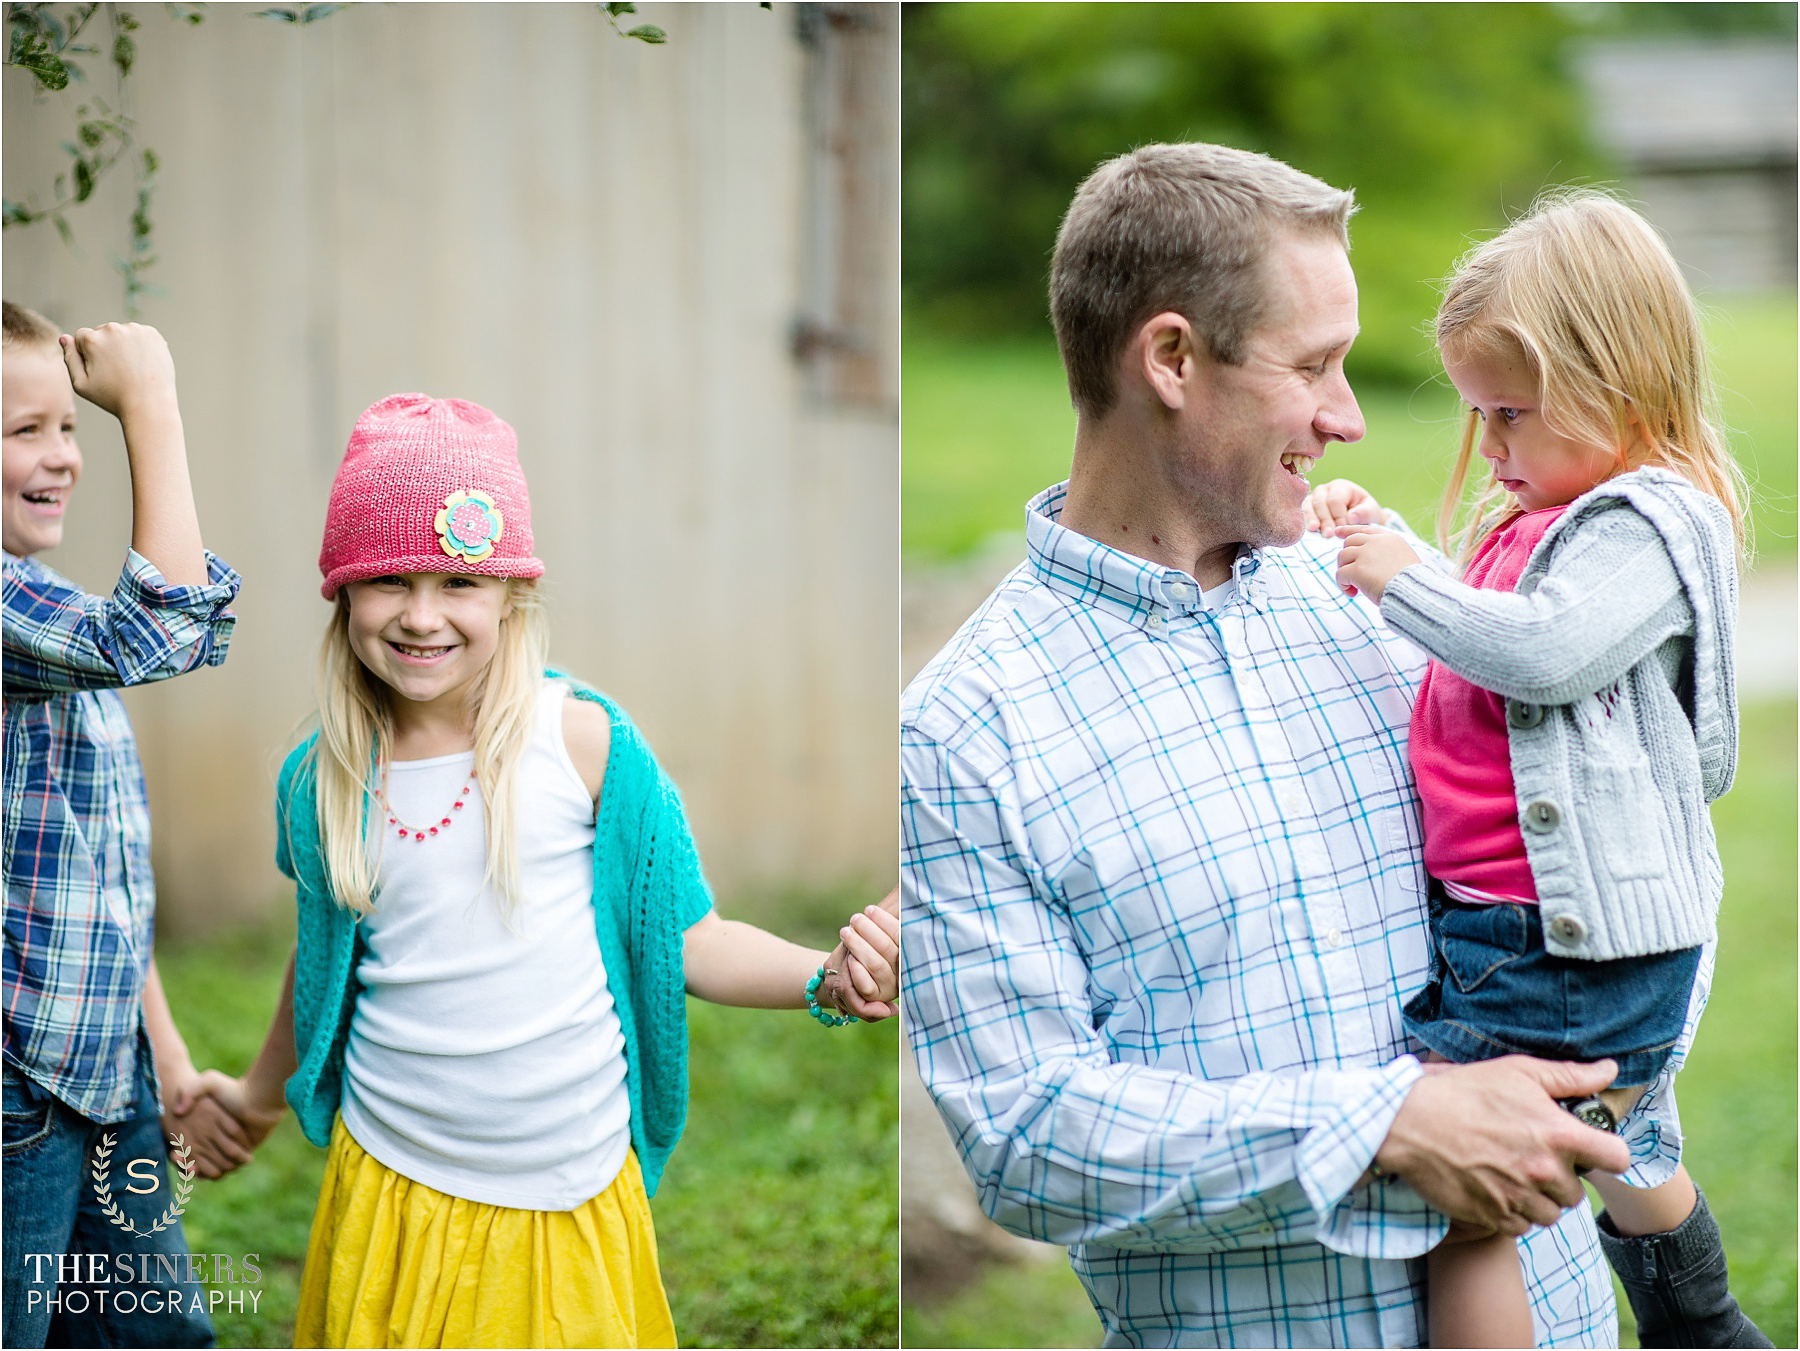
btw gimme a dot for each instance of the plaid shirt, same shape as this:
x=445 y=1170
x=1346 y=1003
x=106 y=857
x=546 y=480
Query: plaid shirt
x=80 y=901
x=1163 y=902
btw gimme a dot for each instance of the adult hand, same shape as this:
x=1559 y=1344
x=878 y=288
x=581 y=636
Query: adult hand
x=1370 y=558
x=867 y=959
x=213 y=1136
x=1487 y=1145
x=1340 y=502
x=123 y=368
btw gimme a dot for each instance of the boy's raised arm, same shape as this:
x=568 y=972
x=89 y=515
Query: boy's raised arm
x=126 y=369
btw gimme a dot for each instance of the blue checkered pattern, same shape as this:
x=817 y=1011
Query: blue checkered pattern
x=80 y=901
x=1163 y=902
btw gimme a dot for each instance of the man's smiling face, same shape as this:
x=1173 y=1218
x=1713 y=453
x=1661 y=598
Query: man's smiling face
x=1256 y=428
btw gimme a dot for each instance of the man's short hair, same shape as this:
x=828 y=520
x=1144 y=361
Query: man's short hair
x=1174 y=227
x=20 y=327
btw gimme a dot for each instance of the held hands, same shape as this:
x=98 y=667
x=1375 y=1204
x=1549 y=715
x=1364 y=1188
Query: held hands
x=867 y=960
x=1370 y=558
x=125 y=369
x=1338 y=503
x=1487 y=1145
x=221 y=1119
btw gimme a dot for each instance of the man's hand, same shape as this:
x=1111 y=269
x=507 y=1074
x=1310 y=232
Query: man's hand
x=1487 y=1145
x=868 y=959
x=1370 y=558
x=1340 y=502
x=124 y=368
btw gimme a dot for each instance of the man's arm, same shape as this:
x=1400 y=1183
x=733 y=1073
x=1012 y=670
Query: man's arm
x=1065 y=1145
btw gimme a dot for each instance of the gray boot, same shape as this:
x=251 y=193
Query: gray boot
x=1676 y=1284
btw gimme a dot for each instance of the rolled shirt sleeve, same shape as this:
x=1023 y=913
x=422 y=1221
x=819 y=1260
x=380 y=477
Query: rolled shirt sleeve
x=60 y=638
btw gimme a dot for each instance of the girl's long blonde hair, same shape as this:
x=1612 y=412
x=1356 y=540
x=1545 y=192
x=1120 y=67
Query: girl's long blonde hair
x=356 y=737
x=1587 y=293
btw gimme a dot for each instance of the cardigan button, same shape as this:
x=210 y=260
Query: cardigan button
x=1541 y=817
x=1521 y=714
x=1568 y=930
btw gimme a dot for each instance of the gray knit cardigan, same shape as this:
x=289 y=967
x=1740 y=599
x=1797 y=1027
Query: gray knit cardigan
x=1614 y=656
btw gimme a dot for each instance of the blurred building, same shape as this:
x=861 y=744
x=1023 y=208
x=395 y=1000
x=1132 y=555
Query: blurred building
x=1706 y=133
x=672 y=268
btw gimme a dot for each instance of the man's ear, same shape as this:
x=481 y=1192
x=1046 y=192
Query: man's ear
x=1165 y=356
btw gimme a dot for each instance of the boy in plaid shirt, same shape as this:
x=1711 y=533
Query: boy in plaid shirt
x=84 y=1010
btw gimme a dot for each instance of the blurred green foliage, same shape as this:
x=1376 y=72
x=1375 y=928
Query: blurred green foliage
x=1444 y=118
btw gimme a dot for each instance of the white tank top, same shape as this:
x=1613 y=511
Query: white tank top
x=485 y=1058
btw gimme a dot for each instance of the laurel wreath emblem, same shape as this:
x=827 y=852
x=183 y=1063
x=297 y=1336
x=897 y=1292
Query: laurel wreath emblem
x=183 y=1185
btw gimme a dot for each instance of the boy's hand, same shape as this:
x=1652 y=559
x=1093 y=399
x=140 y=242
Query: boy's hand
x=1338 y=503
x=213 y=1100
x=217 y=1140
x=124 y=368
x=1370 y=559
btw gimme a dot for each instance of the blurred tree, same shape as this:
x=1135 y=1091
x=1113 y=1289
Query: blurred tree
x=1442 y=117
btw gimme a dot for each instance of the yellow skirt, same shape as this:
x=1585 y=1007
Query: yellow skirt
x=393 y=1263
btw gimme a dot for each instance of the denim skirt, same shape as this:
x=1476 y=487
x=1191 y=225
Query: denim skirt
x=1494 y=991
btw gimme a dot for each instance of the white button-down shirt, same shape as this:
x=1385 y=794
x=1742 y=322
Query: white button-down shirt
x=1163 y=903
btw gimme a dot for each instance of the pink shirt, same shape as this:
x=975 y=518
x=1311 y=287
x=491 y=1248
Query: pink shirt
x=1459 y=751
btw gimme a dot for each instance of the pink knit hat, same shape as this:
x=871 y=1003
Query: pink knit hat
x=427 y=485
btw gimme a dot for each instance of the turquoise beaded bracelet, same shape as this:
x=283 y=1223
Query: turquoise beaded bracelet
x=812 y=1003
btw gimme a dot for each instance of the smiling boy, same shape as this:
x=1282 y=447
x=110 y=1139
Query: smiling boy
x=84 y=1009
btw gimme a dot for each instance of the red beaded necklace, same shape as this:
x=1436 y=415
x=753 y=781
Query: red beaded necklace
x=405 y=830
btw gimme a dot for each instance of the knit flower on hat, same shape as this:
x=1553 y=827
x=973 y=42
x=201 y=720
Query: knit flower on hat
x=468 y=525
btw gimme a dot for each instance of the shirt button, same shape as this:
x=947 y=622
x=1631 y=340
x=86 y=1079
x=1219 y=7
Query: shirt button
x=1179 y=593
x=1335 y=938
x=1265 y=1228
x=1156 y=621
x=1521 y=714
x=1542 y=816
x=1568 y=930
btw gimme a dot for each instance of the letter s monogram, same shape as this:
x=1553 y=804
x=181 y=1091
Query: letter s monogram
x=144 y=1170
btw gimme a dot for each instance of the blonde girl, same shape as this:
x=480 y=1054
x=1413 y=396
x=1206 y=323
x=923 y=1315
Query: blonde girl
x=1577 y=717
x=500 y=913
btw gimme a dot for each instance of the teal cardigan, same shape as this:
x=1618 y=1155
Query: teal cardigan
x=648 y=888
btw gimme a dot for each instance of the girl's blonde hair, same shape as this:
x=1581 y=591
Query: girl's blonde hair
x=1587 y=293
x=356 y=737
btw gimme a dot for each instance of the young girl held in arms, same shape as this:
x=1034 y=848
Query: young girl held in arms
x=1577 y=717
x=499 y=915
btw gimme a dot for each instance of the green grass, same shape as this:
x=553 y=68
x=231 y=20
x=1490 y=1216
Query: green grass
x=987 y=424
x=776 y=1219
x=1737 y=1091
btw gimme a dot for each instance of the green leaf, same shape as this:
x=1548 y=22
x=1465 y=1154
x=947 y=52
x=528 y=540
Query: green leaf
x=150 y=161
x=48 y=69
x=648 y=32
x=279 y=15
x=619 y=7
x=16 y=213
x=84 y=180
x=313 y=13
x=124 y=52
x=62 y=228
x=126 y=22
x=91 y=133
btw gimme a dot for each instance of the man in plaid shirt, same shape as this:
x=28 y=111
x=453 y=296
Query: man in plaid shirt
x=1163 y=896
x=83 y=1005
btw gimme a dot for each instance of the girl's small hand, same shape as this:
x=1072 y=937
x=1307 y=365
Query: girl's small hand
x=1340 y=503
x=1370 y=559
x=868 y=960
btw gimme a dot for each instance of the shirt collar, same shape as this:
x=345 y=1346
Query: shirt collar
x=1109 y=579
